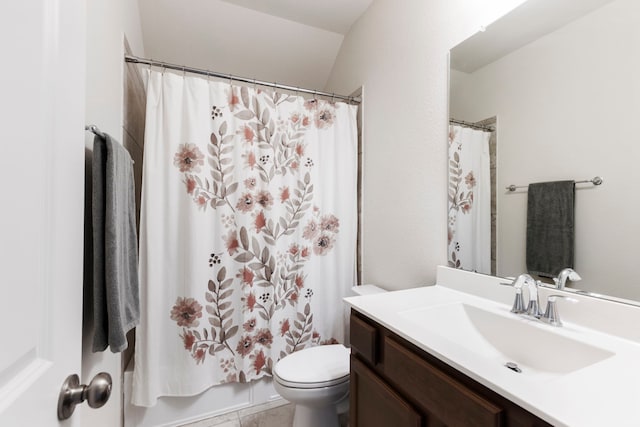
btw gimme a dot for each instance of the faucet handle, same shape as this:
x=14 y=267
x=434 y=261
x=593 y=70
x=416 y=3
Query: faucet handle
x=518 y=302
x=551 y=315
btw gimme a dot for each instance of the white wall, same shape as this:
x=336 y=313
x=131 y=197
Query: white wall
x=107 y=23
x=399 y=52
x=223 y=37
x=566 y=105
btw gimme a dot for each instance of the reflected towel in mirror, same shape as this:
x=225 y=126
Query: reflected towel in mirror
x=550 y=227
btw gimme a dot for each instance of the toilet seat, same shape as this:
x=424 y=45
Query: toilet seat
x=329 y=366
x=292 y=384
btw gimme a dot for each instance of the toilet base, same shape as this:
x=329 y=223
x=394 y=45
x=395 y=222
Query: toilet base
x=306 y=416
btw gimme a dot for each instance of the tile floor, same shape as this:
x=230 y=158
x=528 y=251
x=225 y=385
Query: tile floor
x=278 y=413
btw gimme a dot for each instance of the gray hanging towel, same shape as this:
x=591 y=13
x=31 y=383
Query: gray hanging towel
x=550 y=227
x=116 y=300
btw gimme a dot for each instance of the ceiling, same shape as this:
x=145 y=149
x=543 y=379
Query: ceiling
x=528 y=22
x=294 y=42
x=320 y=14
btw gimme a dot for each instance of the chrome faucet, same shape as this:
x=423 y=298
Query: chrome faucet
x=550 y=315
x=567 y=273
x=518 y=304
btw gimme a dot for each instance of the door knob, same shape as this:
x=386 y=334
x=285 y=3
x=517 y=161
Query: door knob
x=72 y=393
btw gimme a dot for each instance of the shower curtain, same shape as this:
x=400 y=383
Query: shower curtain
x=469 y=220
x=248 y=232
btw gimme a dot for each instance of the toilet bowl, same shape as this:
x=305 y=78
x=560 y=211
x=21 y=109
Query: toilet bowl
x=316 y=380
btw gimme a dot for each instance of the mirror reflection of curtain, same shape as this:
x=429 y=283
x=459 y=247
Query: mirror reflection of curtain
x=469 y=219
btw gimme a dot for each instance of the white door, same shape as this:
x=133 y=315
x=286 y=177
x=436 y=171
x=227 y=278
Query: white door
x=41 y=205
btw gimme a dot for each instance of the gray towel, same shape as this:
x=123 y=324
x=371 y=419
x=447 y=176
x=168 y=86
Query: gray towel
x=116 y=300
x=550 y=227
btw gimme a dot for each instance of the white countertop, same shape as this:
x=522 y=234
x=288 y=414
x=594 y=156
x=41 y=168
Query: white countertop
x=606 y=393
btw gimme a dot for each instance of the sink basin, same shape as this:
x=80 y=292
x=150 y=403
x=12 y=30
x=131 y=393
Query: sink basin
x=505 y=337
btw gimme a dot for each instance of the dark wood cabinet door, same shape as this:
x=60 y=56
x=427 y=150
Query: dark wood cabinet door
x=364 y=339
x=442 y=396
x=375 y=404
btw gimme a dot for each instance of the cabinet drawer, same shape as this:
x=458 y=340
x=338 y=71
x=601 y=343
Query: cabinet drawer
x=364 y=339
x=443 y=397
x=374 y=404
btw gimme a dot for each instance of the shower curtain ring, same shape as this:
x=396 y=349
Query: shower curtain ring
x=254 y=85
x=230 y=79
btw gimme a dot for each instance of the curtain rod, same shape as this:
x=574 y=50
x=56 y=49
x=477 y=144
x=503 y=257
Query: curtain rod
x=472 y=125
x=208 y=73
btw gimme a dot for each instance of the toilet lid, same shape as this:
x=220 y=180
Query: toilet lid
x=314 y=365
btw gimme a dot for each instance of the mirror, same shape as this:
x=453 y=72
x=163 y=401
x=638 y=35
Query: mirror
x=562 y=79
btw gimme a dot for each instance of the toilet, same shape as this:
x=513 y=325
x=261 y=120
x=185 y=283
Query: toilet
x=316 y=379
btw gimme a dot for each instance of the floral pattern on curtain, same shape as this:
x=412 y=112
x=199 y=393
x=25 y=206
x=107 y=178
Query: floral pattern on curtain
x=469 y=198
x=265 y=213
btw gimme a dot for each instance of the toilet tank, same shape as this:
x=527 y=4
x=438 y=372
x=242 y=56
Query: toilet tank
x=366 y=290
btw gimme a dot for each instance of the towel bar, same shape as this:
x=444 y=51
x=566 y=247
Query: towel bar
x=595 y=181
x=94 y=129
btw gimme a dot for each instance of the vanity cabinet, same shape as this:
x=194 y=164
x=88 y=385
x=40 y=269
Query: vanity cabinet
x=394 y=383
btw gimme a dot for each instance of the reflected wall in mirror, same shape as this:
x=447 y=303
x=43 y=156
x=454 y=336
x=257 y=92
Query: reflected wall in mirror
x=563 y=81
